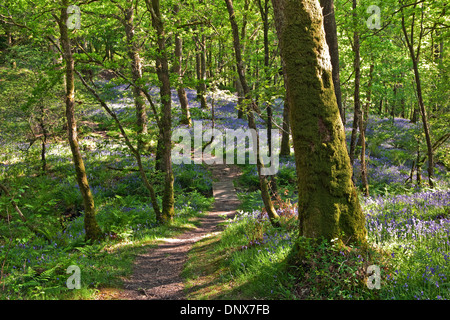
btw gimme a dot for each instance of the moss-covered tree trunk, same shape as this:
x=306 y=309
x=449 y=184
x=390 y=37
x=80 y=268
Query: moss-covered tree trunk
x=328 y=203
x=162 y=70
x=93 y=231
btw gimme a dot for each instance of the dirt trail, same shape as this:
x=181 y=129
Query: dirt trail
x=157 y=273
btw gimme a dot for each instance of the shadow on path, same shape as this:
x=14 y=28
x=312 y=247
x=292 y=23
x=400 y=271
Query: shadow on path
x=157 y=273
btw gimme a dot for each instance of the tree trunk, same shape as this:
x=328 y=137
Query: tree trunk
x=415 y=60
x=285 y=149
x=93 y=231
x=329 y=23
x=201 y=69
x=203 y=102
x=328 y=202
x=356 y=93
x=264 y=11
x=136 y=74
x=186 y=117
x=364 y=179
x=162 y=70
x=268 y=205
x=364 y=119
x=136 y=152
x=240 y=102
x=44 y=138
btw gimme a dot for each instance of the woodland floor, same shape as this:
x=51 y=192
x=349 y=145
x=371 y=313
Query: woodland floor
x=157 y=273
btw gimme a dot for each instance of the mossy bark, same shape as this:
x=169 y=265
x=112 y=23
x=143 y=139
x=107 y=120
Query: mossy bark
x=162 y=70
x=328 y=202
x=92 y=229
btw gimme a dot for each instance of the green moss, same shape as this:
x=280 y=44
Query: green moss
x=328 y=202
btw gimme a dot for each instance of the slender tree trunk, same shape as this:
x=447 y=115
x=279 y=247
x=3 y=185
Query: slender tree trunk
x=268 y=205
x=241 y=100
x=328 y=202
x=201 y=69
x=365 y=182
x=162 y=70
x=240 y=103
x=136 y=73
x=364 y=119
x=135 y=151
x=285 y=149
x=264 y=11
x=203 y=103
x=380 y=106
x=415 y=60
x=44 y=138
x=93 y=231
x=177 y=69
x=329 y=23
x=356 y=94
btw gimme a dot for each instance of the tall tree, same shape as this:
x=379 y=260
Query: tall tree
x=264 y=186
x=178 y=70
x=415 y=55
x=162 y=70
x=356 y=92
x=93 y=231
x=264 y=11
x=329 y=23
x=328 y=202
x=133 y=49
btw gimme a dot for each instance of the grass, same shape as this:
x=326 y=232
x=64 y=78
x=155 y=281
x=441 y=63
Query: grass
x=408 y=228
x=35 y=268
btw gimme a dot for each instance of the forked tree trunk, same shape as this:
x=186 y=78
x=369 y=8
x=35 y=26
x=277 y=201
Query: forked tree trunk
x=328 y=202
x=268 y=205
x=423 y=112
x=135 y=151
x=93 y=231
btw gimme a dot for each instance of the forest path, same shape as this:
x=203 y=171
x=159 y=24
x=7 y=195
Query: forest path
x=157 y=273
